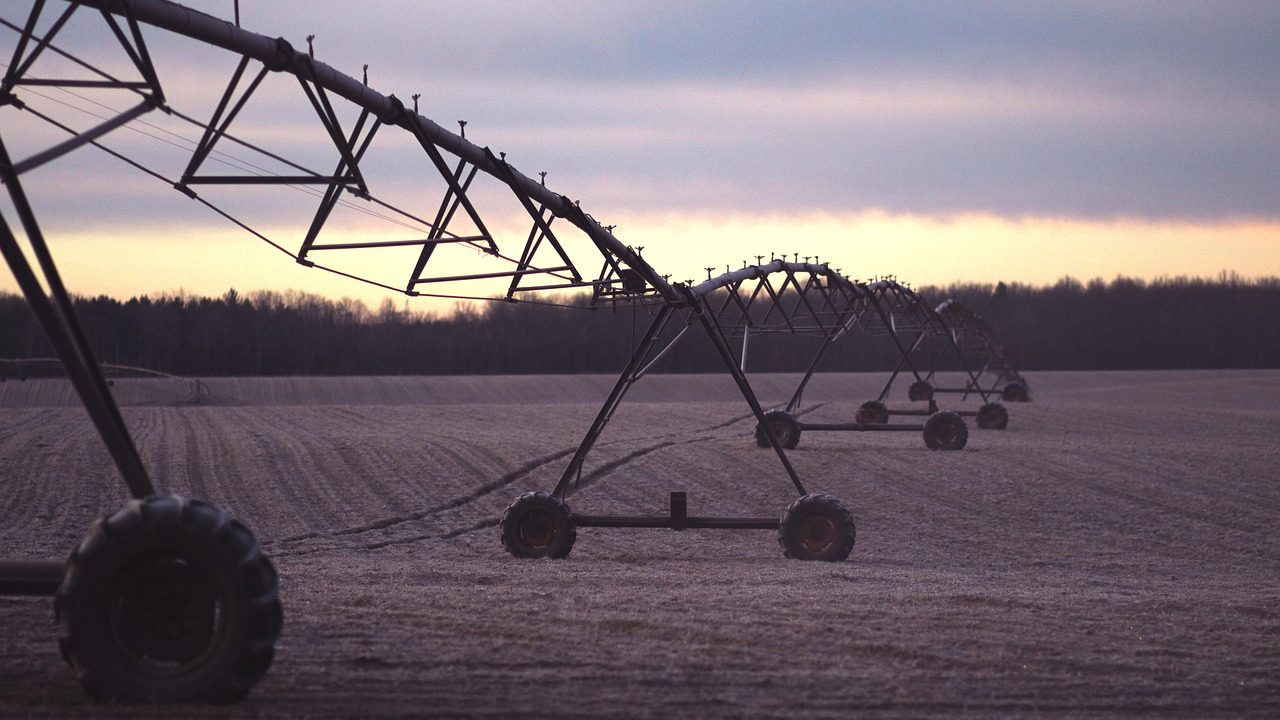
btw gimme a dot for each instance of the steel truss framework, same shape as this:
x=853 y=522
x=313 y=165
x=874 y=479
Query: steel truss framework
x=778 y=297
x=893 y=310
x=976 y=341
x=911 y=323
x=804 y=298
x=917 y=323
x=808 y=298
x=882 y=308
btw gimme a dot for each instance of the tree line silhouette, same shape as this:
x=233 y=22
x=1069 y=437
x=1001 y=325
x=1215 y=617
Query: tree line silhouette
x=1225 y=322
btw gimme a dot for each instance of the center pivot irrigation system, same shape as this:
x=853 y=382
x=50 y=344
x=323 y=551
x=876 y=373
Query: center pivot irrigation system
x=893 y=310
x=889 y=309
x=169 y=599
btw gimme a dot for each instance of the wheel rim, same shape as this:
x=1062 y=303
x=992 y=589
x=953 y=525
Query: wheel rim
x=780 y=430
x=947 y=434
x=165 y=614
x=816 y=533
x=537 y=528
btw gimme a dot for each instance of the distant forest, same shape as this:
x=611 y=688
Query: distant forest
x=1225 y=322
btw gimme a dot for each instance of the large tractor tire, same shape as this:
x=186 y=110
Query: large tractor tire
x=920 y=391
x=169 y=600
x=872 y=412
x=993 y=416
x=816 y=527
x=945 y=431
x=782 y=425
x=1015 y=392
x=538 y=525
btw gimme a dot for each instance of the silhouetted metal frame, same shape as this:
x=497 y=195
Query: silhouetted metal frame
x=319 y=81
x=826 y=319
x=882 y=303
x=640 y=360
x=927 y=323
x=830 y=309
x=970 y=328
x=58 y=319
x=829 y=321
x=873 y=317
x=623 y=265
x=50 y=302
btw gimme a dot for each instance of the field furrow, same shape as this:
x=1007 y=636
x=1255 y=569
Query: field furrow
x=1111 y=554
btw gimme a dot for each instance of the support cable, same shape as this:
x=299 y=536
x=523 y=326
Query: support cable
x=249 y=229
x=241 y=164
x=244 y=226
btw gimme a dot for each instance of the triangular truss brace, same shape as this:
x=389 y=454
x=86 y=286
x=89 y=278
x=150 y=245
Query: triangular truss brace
x=17 y=75
x=567 y=273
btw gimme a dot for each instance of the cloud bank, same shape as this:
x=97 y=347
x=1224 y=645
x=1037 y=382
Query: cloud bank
x=671 y=117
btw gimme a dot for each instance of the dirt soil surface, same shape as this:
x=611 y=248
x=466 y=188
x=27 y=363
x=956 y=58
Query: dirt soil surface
x=1113 y=553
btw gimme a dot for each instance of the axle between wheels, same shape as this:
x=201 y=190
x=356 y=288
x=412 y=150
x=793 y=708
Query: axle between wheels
x=813 y=527
x=941 y=431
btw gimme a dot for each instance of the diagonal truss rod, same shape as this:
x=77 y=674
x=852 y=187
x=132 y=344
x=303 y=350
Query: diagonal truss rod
x=967 y=329
x=347 y=172
x=626 y=278
x=802 y=303
x=278 y=55
x=348 y=176
x=809 y=298
x=58 y=319
x=217 y=126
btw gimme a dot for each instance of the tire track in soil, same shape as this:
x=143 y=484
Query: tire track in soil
x=47 y=500
x=486 y=489
x=339 y=478
x=505 y=480
x=388 y=478
x=322 y=458
x=198 y=455
x=451 y=504
x=597 y=473
x=459 y=459
x=192 y=461
x=31 y=418
x=460 y=463
x=328 y=500
x=210 y=466
x=290 y=466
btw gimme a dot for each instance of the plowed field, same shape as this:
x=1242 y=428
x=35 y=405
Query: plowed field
x=1113 y=553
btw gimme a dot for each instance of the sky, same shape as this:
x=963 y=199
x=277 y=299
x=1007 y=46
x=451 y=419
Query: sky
x=934 y=141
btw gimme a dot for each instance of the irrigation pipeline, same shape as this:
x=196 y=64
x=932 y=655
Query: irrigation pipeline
x=780 y=296
x=251 y=167
x=278 y=55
